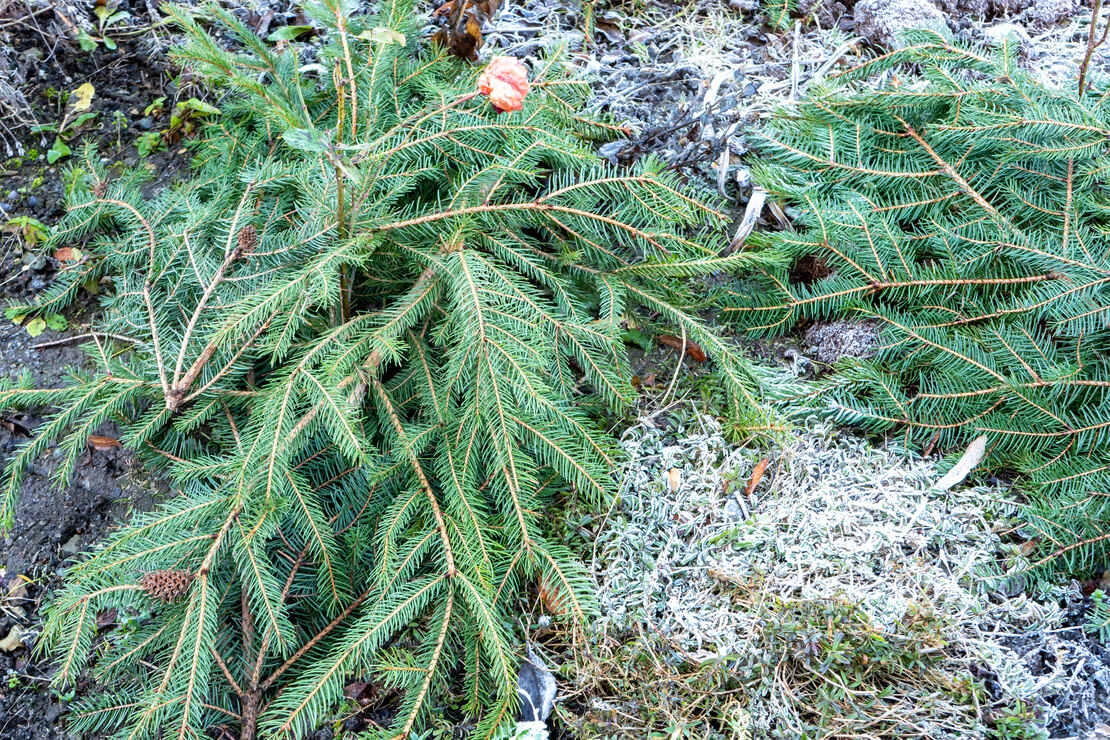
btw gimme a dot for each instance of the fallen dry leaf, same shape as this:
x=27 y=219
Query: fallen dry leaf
x=106 y=617
x=972 y=456
x=67 y=254
x=103 y=444
x=14 y=426
x=465 y=18
x=757 y=475
x=693 y=350
x=674 y=478
x=18 y=589
x=11 y=643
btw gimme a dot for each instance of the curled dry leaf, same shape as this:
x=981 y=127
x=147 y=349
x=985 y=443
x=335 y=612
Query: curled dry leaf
x=11 y=643
x=972 y=456
x=693 y=349
x=674 y=479
x=465 y=18
x=757 y=475
x=103 y=444
x=68 y=254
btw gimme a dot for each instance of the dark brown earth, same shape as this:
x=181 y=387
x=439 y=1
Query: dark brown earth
x=53 y=525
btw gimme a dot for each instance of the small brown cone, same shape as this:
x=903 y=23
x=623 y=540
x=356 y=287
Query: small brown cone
x=166 y=585
x=553 y=601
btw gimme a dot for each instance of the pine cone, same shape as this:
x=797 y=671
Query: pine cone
x=166 y=585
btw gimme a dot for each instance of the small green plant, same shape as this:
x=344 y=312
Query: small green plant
x=36 y=325
x=156 y=107
x=119 y=123
x=58 y=150
x=77 y=116
x=946 y=197
x=187 y=115
x=843 y=675
x=106 y=18
x=1017 y=722
x=359 y=340
x=31 y=230
x=150 y=142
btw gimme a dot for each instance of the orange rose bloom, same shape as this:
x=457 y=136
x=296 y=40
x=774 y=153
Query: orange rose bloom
x=505 y=81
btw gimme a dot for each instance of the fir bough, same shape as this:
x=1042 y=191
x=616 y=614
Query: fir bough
x=961 y=205
x=358 y=339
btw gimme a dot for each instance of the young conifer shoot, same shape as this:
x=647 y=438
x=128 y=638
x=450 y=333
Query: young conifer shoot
x=359 y=339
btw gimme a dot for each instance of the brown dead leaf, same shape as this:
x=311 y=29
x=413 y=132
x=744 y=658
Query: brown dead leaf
x=67 y=254
x=674 y=479
x=18 y=588
x=361 y=692
x=693 y=350
x=465 y=19
x=757 y=475
x=103 y=444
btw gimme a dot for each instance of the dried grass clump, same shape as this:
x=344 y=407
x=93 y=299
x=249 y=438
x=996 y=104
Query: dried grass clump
x=844 y=597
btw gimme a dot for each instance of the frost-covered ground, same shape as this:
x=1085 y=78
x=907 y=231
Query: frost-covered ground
x=834 y=523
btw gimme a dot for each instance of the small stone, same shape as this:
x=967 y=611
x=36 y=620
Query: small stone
x=1044 y=14
x=72 y=546
x=145 y=124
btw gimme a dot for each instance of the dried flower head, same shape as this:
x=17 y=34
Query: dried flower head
x=505 y=81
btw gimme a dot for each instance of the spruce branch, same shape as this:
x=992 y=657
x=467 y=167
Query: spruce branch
x=359 y=341
x=961 y=211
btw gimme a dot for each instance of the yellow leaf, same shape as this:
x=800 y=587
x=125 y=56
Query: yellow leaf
x=12 y=642
x=80 y=100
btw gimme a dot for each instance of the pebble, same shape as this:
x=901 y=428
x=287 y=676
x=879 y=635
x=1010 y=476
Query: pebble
x=72 y=546
x=145 y=124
